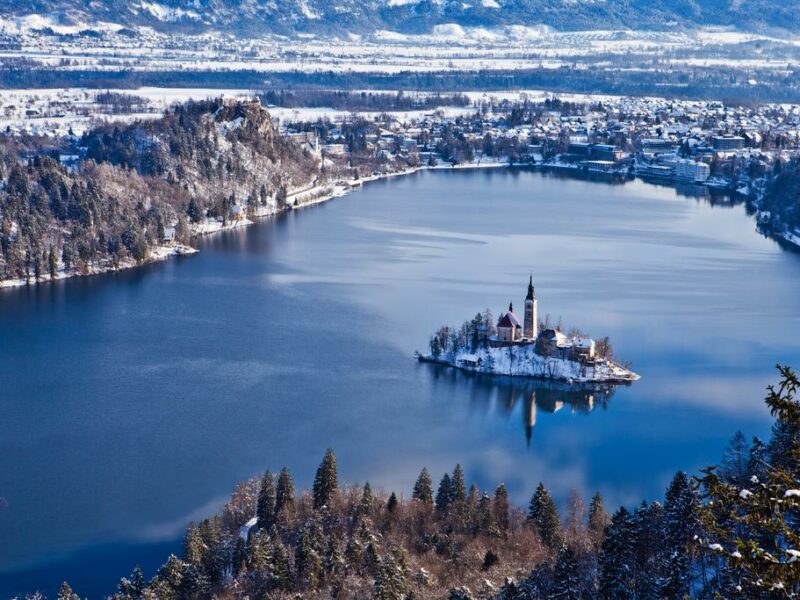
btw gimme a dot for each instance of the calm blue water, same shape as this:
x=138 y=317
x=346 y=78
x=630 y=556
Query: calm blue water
x=132 y=403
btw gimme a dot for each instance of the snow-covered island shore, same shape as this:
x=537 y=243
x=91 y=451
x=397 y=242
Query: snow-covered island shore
x=529 y=349
x=524 y=361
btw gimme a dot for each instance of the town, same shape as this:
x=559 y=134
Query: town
x=705 y=148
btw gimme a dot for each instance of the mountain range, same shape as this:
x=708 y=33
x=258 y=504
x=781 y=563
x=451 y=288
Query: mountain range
x=360 y=17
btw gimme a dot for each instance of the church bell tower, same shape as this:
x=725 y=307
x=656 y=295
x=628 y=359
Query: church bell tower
x=531 y=316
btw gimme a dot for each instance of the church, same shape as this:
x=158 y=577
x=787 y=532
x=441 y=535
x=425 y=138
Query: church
x=550 y=342
x=511 y=331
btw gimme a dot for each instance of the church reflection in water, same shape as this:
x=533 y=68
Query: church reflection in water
x=506 y=394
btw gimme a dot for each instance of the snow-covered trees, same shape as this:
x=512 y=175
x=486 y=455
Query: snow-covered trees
x=543 y=515
x=754 y=529
x=284 y=492
x=359 y=542
x=326 y=482
x=616 y=558
x=423 y=488
x=265 y=509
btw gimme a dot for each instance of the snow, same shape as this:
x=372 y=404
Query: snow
x=166 y=13
x=715 y=547
x=523 y=361
x=157 y=253
x=214 y=225
x=791 y=494
x=35 y=22
x=793 y=554
x=306 y=10
x=744 y=494
x=244 y=530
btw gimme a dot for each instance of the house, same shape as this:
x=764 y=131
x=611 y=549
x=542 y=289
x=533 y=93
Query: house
x=583 y=348
x=551 y=342
x=470 y=360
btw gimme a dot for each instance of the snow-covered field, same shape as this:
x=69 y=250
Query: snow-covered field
x=56 y=112
x=523 y=361
x=448 y=47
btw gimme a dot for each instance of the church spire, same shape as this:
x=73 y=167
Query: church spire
x=531 y=294
x=511 y=307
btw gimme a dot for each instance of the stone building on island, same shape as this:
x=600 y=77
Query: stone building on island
x=548 y=342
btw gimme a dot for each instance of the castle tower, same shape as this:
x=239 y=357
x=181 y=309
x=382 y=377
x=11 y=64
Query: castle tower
x=529 y=330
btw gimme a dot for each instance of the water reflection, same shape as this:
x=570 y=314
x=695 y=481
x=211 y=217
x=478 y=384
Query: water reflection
x=506 y=395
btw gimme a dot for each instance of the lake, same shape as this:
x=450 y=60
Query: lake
x=132 y=403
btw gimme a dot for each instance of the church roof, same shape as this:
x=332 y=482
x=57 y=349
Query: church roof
x=509 y=320
x=531 y=293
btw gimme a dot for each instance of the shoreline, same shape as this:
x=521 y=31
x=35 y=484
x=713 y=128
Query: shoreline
x=330 y=191
x=626 y=379
x=163 y=252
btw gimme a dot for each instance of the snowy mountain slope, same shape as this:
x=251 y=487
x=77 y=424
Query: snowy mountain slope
x=322 y=17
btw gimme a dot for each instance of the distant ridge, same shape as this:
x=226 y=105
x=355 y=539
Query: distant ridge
x=364 y=17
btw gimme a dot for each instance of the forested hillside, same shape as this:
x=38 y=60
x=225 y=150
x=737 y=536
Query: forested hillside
x=782 y=198
x=135 y=183
x=731 y=532
x=415 y=16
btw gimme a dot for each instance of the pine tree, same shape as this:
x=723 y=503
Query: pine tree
x=537 y=584
x=500 y=507
x=132 y=588
x=326 y=481
x=390 y=582
x=459 y=494
x=423 y=488
x=258 y=556
x=391 y=504
x=681 y=524
x=782 y=444
x=648 y=527
x=334 y=563
x=171 y=573
x=757 y=460
x=567 y=583
x=734 y=466
x=366 y=502
x=598 y=520
x=281 y=568
x=543 y=514
x=616 y=558
x=65 y=593
x=307 y=562
x=215 y=557
x=52 y=263
x=267 y=501
x=486 y=520
x=353 y=553
x=284 y=493
x=371 y=558
x=444 y=494
x=194 y=551
x=472 y=497
x=760 y=554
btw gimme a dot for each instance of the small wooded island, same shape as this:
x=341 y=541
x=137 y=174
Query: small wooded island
x=528 y=349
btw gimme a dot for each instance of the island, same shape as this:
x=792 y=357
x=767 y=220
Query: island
x=525 y=349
